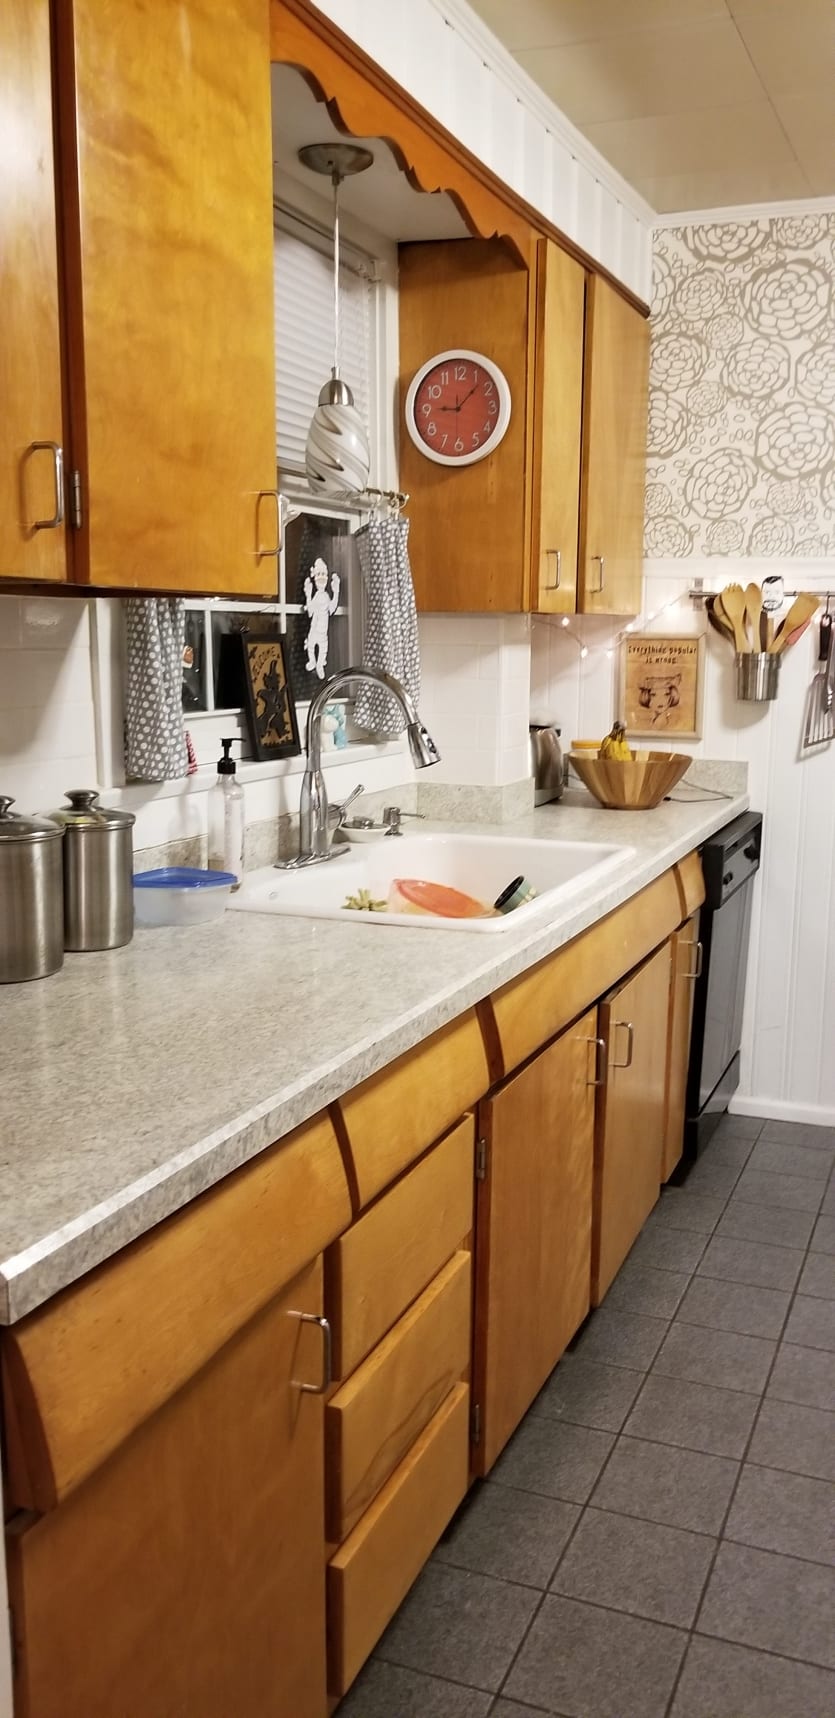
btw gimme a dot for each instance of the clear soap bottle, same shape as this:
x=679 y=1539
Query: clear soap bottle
x=226 y=818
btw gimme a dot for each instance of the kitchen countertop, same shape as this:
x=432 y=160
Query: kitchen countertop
x=136 y=1079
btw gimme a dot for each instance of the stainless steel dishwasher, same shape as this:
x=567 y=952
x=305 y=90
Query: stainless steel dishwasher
x=730 y=860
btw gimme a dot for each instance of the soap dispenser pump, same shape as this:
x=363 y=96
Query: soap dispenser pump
x=226 y=818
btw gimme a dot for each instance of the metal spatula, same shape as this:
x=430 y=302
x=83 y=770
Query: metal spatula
x=820 y=725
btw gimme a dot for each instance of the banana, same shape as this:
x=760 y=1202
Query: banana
x=614 y=746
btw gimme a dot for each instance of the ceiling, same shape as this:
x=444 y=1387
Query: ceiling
x=699 y=104
x=381 y=198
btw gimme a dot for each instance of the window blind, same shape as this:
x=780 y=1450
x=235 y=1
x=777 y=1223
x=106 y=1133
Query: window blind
x=303 y=279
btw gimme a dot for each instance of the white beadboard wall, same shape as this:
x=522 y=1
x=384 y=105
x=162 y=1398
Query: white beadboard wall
x=788 y=1070
x=447 y=59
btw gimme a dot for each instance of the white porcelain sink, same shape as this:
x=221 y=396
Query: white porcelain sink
x=479 y=865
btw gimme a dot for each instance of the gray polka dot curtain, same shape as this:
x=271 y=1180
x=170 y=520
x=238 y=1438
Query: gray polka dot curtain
x=155 y=740
x=390 y=639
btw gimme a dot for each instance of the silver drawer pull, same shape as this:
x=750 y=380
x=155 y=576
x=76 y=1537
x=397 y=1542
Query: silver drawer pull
x=699 y=961
x=601 y=559
x=327 y=1355
x=262 y=554
x=599 y=1060
x=57 y=452
x=630 y=1042
x=554 y=585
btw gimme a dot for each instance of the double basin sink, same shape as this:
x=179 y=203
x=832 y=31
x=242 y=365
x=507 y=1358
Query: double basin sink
x=477 y=865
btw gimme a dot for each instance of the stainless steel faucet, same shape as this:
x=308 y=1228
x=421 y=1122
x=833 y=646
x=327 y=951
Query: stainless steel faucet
x=314 y=828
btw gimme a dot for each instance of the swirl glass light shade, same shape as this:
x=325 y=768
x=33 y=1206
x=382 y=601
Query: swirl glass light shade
x=337 y=456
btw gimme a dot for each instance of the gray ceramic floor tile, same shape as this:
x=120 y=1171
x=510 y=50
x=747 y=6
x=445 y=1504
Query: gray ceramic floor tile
x=729 y=1150
x=791 y=1160
x=734 y=1306
x=828 y=1206
x=595 y=1663
x=778 y=1192
x=636 y=1566
x=738 y=1127
x=800 y=1133
x=724 y=1681
x=763 y=1223
x=458 y=1625
x=640 y=1288
x=510 y=1709
x=680 y=1488
x=678 y=1209
x=812 y=1323
x=761 y=1599
x=786 y=1512
x=805 y=1375
x=801 y=1440
x=553 y=1459
x=818 y=1276
x=588 y=1394
x=710 y=1178
x=722 y=1358
x=751 y=1262
x=508 y=1534
x=823 y=1238
x=667 y=1249
x=692 y=1416
x=621 y=1339
x=387 y=1691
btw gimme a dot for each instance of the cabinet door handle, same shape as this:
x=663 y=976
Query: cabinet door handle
x=630 y=1042
x=261 y=553
x=602 y=561
x=698 y=949
x=57 y=452
x=555 y=584
x=599 y=1060
x=327 y=1355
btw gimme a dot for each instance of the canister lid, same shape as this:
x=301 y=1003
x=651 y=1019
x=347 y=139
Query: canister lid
x=84 y=812
x=15 y=827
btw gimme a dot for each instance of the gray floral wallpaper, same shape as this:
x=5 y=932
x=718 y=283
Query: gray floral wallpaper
x=742 y=389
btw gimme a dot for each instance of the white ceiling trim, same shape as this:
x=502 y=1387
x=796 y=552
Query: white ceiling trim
x=461 y=18
x=746 y=212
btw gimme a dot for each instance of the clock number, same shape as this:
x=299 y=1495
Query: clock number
x=488 y=387
x=460 y=372
x=459 y=446
x=476 y=439
x=434 y=391
x=431 y=429
x=426 y=409
x=444 y=378
x=492 y=408
x=444 y=440
x=487 y=427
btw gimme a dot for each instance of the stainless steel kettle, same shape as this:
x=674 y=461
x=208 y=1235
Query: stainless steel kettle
x=547 y=763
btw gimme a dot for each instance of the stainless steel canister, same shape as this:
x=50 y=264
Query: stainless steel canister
x=98 y=872
x=757 y=676
x=31 y=896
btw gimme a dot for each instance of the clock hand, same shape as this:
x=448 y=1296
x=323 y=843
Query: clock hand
x=469 y=395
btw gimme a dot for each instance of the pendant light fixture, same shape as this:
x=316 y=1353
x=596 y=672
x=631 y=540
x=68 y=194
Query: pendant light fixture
x=337 y=457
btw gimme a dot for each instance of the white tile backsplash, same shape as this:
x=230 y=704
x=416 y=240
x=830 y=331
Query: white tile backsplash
x=47 y=730
x=476 y=688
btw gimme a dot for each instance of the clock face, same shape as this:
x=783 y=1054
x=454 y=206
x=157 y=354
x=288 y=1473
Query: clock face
x=458 y=407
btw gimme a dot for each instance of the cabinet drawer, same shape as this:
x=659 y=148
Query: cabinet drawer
x=372 y=1572
x=81 y=1373
x=393 y=1117
x=536 y=1006
x=375 y=1418
x=377 y=1268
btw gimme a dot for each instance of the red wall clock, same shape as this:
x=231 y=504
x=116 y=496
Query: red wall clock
x=458 y=407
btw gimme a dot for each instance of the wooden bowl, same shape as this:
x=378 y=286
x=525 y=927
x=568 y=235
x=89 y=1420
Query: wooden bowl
x=623 y=786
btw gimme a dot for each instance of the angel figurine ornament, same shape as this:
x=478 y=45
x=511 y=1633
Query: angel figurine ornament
x=320 y=605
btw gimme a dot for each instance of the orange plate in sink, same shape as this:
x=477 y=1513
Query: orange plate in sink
x=413 y=895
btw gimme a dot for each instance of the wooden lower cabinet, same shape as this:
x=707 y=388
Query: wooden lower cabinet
x=685 y=965
x=630 y=1114
x=534 y=1207
x=185 y=1576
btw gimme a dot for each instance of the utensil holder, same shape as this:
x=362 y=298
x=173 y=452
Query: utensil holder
x=757 y=676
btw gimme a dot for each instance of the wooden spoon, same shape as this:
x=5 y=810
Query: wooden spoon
x=717 y=619
x=733 y=602
x=802 y=609
x=753 y=610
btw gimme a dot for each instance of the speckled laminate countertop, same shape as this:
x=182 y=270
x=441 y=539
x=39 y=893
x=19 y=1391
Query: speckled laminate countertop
x=134 y=1080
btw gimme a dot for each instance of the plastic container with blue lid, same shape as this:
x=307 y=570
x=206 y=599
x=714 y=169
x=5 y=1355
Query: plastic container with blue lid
x=181 y=895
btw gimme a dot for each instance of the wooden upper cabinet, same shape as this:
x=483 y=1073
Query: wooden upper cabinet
x=167 y=189
x=557 y=419
x=614 y=453
x=467 y=542
x=32 y=537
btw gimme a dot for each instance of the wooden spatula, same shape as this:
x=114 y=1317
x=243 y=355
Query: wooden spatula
x=802 y=609
x=753 y=610
x=733 y=603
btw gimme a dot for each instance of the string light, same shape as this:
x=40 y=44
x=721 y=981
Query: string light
x=630 y=626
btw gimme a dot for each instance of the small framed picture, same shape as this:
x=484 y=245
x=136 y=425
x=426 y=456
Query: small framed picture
x=270 y=707
x=661 y=685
